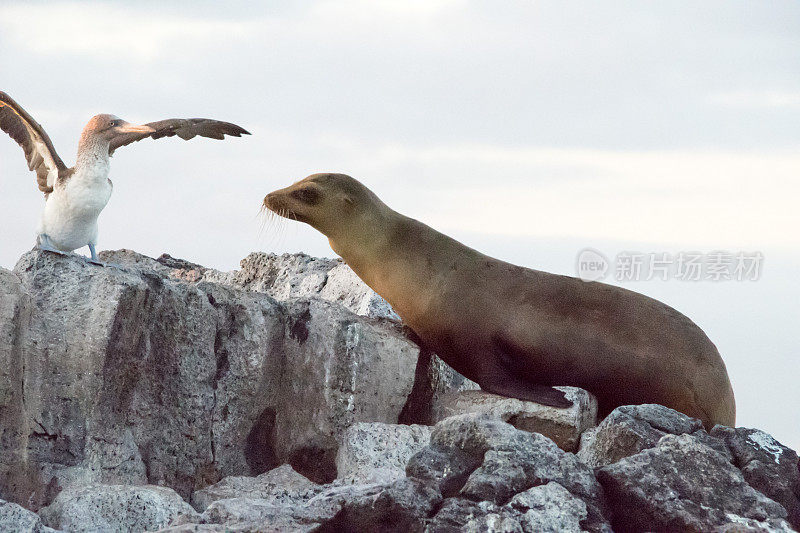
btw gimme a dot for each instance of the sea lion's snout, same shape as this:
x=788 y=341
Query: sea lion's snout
x=295 y=202
x=269 y=201
x=278 y=202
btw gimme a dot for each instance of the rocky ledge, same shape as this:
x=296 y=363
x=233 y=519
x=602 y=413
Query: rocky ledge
x=287 y=396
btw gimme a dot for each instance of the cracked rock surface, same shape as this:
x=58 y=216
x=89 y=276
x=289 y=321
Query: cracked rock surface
x=374 y=452
x=684 y=485
x=16 y=518
x=286 y=396
x=562 y=426
x=149 y=374
x=483 y=459
x=91 y=508
x=630 y=429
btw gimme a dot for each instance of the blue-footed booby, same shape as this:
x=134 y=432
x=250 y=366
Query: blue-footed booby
x=74 y=197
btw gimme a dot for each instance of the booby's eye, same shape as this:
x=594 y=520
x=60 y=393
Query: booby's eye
x=306 y=195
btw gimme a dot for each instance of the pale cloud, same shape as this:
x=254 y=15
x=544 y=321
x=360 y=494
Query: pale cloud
x=108 y=31
x=382 y=11
x=111 y=31
x=696 y=197
x=758 y=99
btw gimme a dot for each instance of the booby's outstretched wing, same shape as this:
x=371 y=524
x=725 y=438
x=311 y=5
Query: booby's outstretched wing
x=185 y=128
x=38 y=147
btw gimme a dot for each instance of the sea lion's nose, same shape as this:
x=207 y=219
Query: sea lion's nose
x=271 y=199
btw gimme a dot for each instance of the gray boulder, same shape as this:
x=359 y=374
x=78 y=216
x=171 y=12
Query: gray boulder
x=683 y=485
x=258 y=514
x=214 y=528
x=131 y=377
x=458 y=514
x=500 y=522
x=340 y=369
x=279 y=485
x=293 y=276
x=378 y=453
x=403 y=505
x=116 y=508
x=767 y=465
x=351 y=350
x=16 y=518
x=549 y=508
x=562 y=426
x=481 y=458
x=17 y=475
x=629 y=429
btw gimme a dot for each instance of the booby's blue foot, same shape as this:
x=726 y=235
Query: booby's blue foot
x=45 y=244
x=94 y=259
x=102 y=264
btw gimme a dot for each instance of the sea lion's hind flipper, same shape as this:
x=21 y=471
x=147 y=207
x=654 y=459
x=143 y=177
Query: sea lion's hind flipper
x=516 y=388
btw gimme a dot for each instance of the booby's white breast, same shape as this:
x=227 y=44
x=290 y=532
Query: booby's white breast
x=71 y=211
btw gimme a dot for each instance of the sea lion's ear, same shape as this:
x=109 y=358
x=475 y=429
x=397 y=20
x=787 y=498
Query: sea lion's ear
x=348 y=199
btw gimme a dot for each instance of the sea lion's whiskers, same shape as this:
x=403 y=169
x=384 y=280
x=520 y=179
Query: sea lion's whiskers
x=266 y=217
x=262 y=218
x=273 y=226
x=282 y=221
x=280 y=227
x=266 y=222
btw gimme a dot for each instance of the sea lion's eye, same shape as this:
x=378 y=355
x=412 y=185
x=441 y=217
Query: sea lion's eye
x=306 y=195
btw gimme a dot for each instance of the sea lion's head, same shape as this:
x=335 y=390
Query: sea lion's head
x=331 y=203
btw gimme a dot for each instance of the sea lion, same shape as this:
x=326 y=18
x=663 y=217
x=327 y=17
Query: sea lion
x=513 y=330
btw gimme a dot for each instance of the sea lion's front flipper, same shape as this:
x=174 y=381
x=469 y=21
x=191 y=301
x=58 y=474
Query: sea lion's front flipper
x=504 y=375
x=521 y=390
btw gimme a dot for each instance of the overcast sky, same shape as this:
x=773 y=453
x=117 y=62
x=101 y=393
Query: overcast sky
x=529 y=130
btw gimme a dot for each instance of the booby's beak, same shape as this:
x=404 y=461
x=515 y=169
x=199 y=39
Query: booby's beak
x=127 y=127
